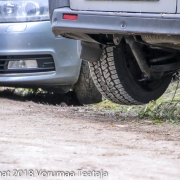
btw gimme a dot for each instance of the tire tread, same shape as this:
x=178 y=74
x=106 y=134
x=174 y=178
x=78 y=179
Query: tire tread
x=106 y=79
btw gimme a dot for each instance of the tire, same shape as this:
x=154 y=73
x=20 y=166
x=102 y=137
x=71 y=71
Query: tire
x=117 y=76
x=85 y=89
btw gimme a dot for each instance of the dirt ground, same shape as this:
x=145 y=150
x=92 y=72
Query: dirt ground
x=52 y=142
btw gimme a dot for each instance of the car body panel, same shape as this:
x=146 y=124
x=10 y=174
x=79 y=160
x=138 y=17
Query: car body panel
x=151 y=6
x=36 y=38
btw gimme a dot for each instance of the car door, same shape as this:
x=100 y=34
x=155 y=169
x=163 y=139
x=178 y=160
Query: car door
x=140 y=6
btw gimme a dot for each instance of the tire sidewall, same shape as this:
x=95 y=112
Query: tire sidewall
x=131 y=87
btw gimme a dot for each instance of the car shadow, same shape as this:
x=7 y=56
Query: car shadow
x=68 y=99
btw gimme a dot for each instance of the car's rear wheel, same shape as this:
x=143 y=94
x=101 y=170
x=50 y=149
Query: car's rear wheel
x=85 y=89
x=118 y=77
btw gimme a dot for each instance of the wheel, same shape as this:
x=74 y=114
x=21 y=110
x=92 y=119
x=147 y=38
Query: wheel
x=85 y=89
x=118 y=77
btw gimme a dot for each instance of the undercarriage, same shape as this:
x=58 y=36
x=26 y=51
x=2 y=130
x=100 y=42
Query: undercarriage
x=156 y=55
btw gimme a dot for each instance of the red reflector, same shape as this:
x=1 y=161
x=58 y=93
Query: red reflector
x=70 y=16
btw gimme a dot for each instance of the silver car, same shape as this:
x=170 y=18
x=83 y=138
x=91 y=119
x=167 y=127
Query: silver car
x=30 y=55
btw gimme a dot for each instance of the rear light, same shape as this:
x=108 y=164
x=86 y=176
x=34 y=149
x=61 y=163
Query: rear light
x=70 y=16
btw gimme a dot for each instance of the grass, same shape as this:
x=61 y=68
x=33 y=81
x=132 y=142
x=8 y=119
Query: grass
x=166 y=108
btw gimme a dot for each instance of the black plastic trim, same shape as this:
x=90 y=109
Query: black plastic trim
x=45 y=63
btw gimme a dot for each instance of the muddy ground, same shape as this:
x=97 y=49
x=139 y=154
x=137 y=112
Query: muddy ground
x=44 y=141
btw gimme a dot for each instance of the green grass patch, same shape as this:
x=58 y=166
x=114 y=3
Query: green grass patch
x=166 y=108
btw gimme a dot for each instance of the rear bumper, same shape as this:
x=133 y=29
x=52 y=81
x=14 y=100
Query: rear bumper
x=91 y=22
